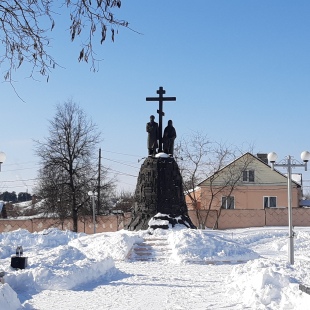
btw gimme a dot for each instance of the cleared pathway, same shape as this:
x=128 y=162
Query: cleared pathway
x=148 y=281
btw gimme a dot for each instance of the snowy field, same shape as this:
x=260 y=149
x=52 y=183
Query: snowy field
x=232 y=269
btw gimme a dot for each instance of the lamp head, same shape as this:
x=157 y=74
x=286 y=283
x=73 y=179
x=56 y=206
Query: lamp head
x=305 y=156
x=2 y=157
x=272 y=157
x=91 y=193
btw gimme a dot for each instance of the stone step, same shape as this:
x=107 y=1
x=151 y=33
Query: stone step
x=156 y=242
x=157 y=252
x=154 y=238
x=139 y=254
x=151 y=249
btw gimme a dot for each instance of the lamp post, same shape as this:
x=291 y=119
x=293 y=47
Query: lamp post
x=93 y=195
x=289 y=164
x=2 y=158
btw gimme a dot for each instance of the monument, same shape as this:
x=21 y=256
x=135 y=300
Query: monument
x=159 y=197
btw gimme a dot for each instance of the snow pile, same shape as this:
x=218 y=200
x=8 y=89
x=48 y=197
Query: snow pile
x=212 y=248
x=8 y=298
x=157 y=222
x=62 y=260
x=64 y=267
x=263 y=282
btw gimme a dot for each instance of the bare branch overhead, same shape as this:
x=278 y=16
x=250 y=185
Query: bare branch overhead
x=25 y=36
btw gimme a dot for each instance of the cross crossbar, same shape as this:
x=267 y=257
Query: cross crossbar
x=160 y=111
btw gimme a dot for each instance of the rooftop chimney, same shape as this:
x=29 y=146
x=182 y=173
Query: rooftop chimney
x=263 y=157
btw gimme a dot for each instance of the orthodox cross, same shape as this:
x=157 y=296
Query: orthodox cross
x=160 y=111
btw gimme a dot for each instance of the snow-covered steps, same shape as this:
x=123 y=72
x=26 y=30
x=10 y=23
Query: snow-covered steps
x=151 y=249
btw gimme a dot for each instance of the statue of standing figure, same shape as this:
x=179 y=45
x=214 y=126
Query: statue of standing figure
x=168 y=138
x=153 y=134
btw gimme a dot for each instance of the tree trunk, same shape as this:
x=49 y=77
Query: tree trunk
x=74 y=210
x=75 y=218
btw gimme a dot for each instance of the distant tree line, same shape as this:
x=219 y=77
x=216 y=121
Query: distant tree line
x=13 y=197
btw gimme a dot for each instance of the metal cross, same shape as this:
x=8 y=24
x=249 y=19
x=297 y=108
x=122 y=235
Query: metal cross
x=160 y=111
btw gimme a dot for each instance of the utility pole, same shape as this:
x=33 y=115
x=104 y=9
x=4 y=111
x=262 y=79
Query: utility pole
x=99 y=182
x=289 y=163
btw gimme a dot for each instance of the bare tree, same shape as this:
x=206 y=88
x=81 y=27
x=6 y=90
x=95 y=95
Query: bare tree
x=24 y=30
x=67 y=157
x=222 y=182
x=56 y=193
x=199 y=159
x=192 y=156
x=124 y=201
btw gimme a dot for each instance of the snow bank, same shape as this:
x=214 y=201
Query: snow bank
x=41 y=241
x=8 y=298
x=263 y=282
x=212 y=247
x=62 y=259
x=63 y=267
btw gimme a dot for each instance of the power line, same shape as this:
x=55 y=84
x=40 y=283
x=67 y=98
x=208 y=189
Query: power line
x=22 y=163
x=19 y=180
x=118 y=162
x=122 y=154
x=19 y=169
x=123 y=173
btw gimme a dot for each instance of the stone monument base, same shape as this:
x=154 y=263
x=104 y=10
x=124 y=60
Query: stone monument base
x=159 y=192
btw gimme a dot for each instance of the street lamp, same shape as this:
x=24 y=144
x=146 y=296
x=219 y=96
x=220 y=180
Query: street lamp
x=2 y=158
x=93 y=195
x=289 y=164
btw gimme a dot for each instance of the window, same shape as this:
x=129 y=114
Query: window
x=248 y=176
x=228 y=202
x=270 y=202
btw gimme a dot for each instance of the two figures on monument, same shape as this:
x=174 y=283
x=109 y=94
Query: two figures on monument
x=153 y=137
x=168 y=138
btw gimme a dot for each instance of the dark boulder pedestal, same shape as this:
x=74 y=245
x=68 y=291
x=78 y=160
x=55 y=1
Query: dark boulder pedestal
x=19 y=262
x=159 y=195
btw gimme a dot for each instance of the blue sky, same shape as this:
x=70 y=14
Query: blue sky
x=240 y=71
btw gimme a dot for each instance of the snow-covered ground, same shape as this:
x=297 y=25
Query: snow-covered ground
x=191 y=269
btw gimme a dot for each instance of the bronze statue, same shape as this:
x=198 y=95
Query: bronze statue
x=152 y=130
x=168 y=138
